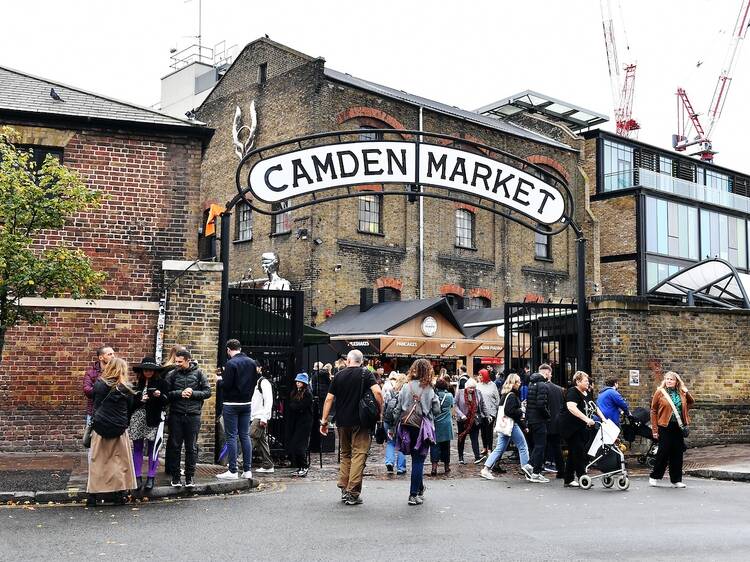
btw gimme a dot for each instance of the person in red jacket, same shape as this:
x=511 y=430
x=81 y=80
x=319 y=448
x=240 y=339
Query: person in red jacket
x=104 y=355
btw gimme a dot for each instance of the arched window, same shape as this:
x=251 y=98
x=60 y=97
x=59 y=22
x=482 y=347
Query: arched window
x=477 y=302
x=464 y=229
x=454 y=301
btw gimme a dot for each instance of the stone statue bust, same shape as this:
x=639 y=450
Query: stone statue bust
x=269 y=261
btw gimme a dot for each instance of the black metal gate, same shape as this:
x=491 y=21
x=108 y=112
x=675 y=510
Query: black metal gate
x=270 y=326
x=537 y=333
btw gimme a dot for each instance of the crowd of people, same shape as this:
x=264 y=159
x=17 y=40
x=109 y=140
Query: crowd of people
x=127 y=413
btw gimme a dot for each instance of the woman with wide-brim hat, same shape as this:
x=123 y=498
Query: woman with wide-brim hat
x=150 y=404
x=298 y=421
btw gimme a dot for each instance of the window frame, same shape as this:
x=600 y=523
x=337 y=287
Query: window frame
x=276 y=220
x=262 y=73
x=457 y=238
x=243 y=207
x=544 y=240
x=379 y=200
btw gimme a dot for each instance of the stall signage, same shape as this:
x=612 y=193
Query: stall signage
x=429 y=326
x=310 y=170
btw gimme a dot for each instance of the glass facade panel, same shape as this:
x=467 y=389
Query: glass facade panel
x=724 y=237
x=717 y=180
x=671 y=229
x=618 y=166
x=657 y=271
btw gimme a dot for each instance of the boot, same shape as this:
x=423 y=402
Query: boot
x=149 y=484
x=139 y=482
x=433 y=472
x=447 y=468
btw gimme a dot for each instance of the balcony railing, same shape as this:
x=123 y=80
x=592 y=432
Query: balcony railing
x=677 y=186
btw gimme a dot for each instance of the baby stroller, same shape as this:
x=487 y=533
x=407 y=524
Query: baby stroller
x=637 y=425
x=606 y=455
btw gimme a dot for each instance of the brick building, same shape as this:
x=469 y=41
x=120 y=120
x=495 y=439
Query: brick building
x=148 y=167
x=473 y=257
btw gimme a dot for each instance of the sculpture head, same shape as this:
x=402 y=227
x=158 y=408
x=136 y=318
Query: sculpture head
x=269 y=261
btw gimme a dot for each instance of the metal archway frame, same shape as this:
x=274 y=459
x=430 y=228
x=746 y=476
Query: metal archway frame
x=318 y=140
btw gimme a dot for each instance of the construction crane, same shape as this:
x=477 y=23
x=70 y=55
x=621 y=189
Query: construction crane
x=687 y=118
x=622 y=89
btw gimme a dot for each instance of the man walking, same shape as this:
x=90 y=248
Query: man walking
x=238 y=383
x=261 y=409
x=537 y=417
x=104 y=355
x=347 y=389
x=556 y=399
x=187 y=389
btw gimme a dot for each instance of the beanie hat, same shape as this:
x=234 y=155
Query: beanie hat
x=302 y=377
x=485 y=375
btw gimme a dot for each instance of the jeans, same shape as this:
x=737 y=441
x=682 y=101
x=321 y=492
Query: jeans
x=417 y=473
x=671 y=450
x=183 y=428
x=539 y=431
x=473 y=435
x=391 y=455
x=237 y=420
x=516 y=435
x=354 y=445
x=153 y=464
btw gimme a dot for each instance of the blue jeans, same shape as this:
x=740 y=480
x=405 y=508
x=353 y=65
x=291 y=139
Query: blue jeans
x=390 y=451
x=237 y=420
x=502 y=443
x=417 y=473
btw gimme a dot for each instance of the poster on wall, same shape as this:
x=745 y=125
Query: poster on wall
x=635 y=378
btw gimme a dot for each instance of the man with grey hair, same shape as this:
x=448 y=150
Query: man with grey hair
x=347 y=389
x=269 y=261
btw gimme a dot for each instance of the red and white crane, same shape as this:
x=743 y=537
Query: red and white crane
x=622 y=89
x=688 y=121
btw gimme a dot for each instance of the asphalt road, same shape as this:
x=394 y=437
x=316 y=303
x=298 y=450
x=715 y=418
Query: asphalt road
x=468 y=519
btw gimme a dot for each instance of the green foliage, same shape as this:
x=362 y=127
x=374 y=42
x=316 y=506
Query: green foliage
x=33 y=204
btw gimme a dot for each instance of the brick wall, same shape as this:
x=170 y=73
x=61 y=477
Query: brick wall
x=706 y=346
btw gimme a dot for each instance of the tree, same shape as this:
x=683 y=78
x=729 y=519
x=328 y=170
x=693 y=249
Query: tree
x=34 y=202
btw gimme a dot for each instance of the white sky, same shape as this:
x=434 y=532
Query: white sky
x=466 y=53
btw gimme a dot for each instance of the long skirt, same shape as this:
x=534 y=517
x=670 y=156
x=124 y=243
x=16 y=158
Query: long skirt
x=111 y=464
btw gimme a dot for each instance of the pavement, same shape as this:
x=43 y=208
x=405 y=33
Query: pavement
x=474 y=519
x=61 y=477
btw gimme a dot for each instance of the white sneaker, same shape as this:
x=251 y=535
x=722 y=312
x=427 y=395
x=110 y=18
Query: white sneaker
x=486 y=473
x=653 y=482
x=247 y=474
x=527 y=470
x=678 y=485
x=265 y=470
x=538 y=478
x=227 y=476
x=573 y=484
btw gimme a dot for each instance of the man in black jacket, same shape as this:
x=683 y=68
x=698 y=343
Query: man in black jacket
x=187 y=389
x=238 y=382
x=537 y=416
x=556 y=403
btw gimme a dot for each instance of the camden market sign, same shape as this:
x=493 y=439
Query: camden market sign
x=311 y=165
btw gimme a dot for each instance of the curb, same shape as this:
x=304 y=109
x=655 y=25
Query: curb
x=159 y=492
x=719 y=474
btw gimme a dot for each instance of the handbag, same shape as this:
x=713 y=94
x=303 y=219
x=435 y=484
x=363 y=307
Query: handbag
x=87 y=435
x=413 y=416
x=369 y=413
x=504 y=424
x=684 y=428
x=380 y=435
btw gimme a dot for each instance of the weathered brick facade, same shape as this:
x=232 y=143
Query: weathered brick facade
x=705 y=345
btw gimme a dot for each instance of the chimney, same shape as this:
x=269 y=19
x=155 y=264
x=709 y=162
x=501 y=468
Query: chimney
x=365 y=299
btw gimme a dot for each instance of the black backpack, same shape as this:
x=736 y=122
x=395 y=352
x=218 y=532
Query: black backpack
x=369 y=412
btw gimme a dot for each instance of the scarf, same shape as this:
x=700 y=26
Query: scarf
x=471 y=414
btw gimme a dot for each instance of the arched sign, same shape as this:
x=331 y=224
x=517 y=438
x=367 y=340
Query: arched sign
x=310 y=166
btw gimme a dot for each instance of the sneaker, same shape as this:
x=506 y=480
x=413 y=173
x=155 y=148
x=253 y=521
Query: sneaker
x=176 y=482
x=527 y=470
x=227 y=476
x=400 y=473
x=678 y=485
x=415 y=500
x=189 y=482
x=653 y=482
x=262 y=470
x=538 y=478
x=486 y=474
x=248 y=474
x=344 y=495
x=302 y=472
x=461 y=461
x=353 y=500
x=550 y=467
x=481 y=459
x=389 y=467
x=572 y=484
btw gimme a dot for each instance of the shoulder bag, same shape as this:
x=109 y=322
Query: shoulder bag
x=368 y=407
x=684 y=428
x=413 y=416
x=504 y=424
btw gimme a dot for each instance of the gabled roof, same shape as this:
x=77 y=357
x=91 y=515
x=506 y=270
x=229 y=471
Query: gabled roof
x=474 y=321
x=385 y=316
x=22 y=92
x=474 y=117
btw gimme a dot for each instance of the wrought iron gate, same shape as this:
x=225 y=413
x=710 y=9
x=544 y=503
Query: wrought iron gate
x=537 y=333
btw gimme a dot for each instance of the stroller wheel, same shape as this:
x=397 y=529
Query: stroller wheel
x=623 y=483
x=608 y=481
x=585 y=482
x=650 y=462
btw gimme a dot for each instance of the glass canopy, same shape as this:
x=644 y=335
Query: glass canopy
x=712 y=281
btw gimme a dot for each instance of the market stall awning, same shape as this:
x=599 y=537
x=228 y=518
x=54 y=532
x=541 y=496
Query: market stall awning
x=713 y=281
x=313 y=336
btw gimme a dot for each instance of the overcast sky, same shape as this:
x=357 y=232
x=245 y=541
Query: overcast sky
x=466 y=53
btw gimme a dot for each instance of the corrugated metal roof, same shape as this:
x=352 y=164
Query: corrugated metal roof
x=20 y=91
x=491 y=122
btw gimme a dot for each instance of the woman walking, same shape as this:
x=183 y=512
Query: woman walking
x=671 y=399
x=511 y=402
x=468 y=416
x=151 y=400
x=490 y=404
x=418 y=405
x=299 y=420
x=111 y=460
x=393 y=458
x=441 y=450
x=575 y=421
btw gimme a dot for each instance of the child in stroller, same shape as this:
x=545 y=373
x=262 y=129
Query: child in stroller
x=637 y=425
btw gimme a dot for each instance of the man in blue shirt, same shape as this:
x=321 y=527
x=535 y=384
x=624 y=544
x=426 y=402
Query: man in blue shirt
x=611 y=402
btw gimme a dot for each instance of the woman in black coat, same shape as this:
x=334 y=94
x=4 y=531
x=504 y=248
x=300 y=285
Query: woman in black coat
x=298 y=420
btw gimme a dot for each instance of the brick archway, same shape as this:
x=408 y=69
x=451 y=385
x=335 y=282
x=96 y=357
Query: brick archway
x=452 y=289
x=390 y=282
x=368 y=115
x=551 y=162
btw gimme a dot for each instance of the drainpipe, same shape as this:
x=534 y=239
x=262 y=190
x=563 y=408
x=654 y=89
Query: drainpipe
x=421 y=221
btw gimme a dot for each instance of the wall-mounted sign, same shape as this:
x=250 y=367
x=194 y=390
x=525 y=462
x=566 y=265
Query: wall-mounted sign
x=429 y=326
x=634 y=378
x=310 y=170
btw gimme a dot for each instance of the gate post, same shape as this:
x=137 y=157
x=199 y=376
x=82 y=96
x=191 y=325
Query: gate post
x=581 y=358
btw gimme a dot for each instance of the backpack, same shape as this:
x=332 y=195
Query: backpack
x=413 y=416
x=369 y=412
x=389 y=414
